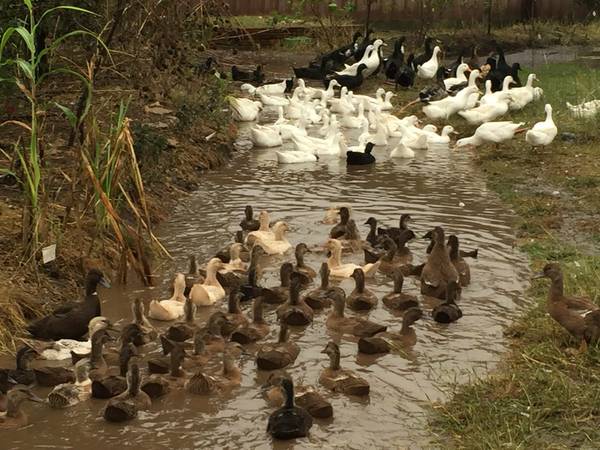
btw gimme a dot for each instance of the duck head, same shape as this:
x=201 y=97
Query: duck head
x=94 y=278
x=189 y=310
x=359 y=279
x=339 y=302
x=280 y=228
x=324 y=273
x=372 y=222
x=361 y=68
x=249 y=213
x=551 y=271
x=16 y=396
x=99 y=323
x=411 y=316
x=288 y=390
x=344 y=215
x=233 y=304
x=283 y=332
x=333 y=351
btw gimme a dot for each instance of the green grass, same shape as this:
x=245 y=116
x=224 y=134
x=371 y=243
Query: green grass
x=544 y=394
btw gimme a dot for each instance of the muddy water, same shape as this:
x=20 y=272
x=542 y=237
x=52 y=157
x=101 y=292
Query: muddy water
x=438 y=187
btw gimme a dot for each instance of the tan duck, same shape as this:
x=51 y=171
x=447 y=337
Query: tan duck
x=233 y=274
x=356 y=326
x=448 y=311
x=70 y=394
x=578 y=315
x=273 y=356
x=280 y=294
x=249 y=223
x=361 y=298
x=308 y=273
x=464 y=272
x=341 y=380
x=306 y=397
x=438 y=270
x=398 y=300
x=202 y=384
x=139 y=318
x=211 y=291
x=295 y=311
x=172 y=308
x=184 y=330
x=339 y=270
x=114 y=383
x=15 y=417
x=264 y=231
x=126 y=406
x=385 y=342
x=320 y=297
x=156 y=386
x=255 y=331
x=225 y=253
x=278 y=244
x=340 y=230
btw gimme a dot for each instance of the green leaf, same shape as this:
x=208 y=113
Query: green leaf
x=5 y=37
x=25 y=67
x=69 y=114
x=85 y=81
x=28 y=38
x=28 y=4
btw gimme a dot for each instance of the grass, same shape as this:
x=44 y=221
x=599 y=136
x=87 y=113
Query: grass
x=544 y=394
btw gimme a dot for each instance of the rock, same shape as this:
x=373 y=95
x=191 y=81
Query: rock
x=566 y=136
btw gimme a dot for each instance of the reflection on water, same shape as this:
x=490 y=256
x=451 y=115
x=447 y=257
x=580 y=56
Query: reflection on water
x=430 y=188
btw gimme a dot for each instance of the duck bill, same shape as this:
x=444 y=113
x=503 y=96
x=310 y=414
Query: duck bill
x=104 y=282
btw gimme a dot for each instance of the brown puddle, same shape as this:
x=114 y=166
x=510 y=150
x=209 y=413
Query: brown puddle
x=431 y=187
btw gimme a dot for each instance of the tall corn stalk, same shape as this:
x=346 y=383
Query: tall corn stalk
x=28 y=81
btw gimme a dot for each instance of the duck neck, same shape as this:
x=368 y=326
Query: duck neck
x=372 y=232
x=193 y=267
x=124 y=356
x=175 y=363
x=133 y=382
x=285 y=276
x=249 y=213
x=283 y=334
x=454 y=251
x=189 y=310
x=257 y=311
x=398 y=283
x=338 y=308
x=233 y=305
x=289 y=395
x=359 y=279
x=91 y=287
x=295 y=293
x=279 y=234
x=391 y=251
x=13 y=407
x=299 y=258
x=198 y=344
x=335 y=260
x=264 y=222
x=178 y=290
x=325 y=279
x=334 y=360
x=556 y=288
x=211 y=275
x=96 y=357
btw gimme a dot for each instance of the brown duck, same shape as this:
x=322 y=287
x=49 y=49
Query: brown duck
x=386 y=341
x=438 y=270
x=249 y=223
x=279 y=294
x=356 y=326
x=307 y=273
x=398 y=300
x=295 y=311
x=448 y=311
x=578 y=315
x=277 y=355
x=15 y=417
x=464 y=273
x=341 y=380
x=340 y=231
x=361 y=298
x=320 y=297
x=255 y=331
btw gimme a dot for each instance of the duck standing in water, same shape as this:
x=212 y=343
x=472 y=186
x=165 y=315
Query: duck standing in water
x=126 y=406
x=249 y=223
x=360 y=158
x=70 y=321
x=438 y=270
x=289 y=421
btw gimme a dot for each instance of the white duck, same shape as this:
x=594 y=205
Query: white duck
x=235 y=263
x=543 y=133
x=271 y=100
x=295 y=157
x=491 y=132
x=354 y=121
x=428 y=70
x=402 y=151
x=492 y=97
x=522 y=96
x=460 y=76
x=443 y=109
x=385 y=103
x=244 y=109
x=287 y=130
x=374 y=59
x=487 y=112
x=62 y=348
x=211 y=291
x=380 y=137
x=307 y=92
x=273 y=88
x=295 y=109
x=172 y=308
x=329 y=92
x=339 y=270
x=584 y=110
x=342 y=105
x=352 y=69
x=277 y=245
x=438 y=140
x=265 y=136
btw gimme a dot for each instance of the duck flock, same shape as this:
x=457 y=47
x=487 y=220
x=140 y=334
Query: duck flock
x=312 y=118
x=117 y=363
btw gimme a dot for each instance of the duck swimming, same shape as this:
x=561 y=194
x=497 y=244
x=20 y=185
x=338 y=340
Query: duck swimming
x=386 y=341
x=341 y=380
x=320 y=297
x=22 y=374
x=277 y=245
x=361 y=158
x=277 y=355
x=126 y=406
x=295 y=311
x=289 y=421
x=356 y=326
x=339 y=270
x=15 y=417
x=211 y=291
x=398 y=300
x=70 y=321
x=361 y=299
x=69 y=394
x=255 y=331
x=448 y=311
x=172 y=308
x=249 y=223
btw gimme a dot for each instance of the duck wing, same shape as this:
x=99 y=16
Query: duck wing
x=580 y=304
x=366 y=328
